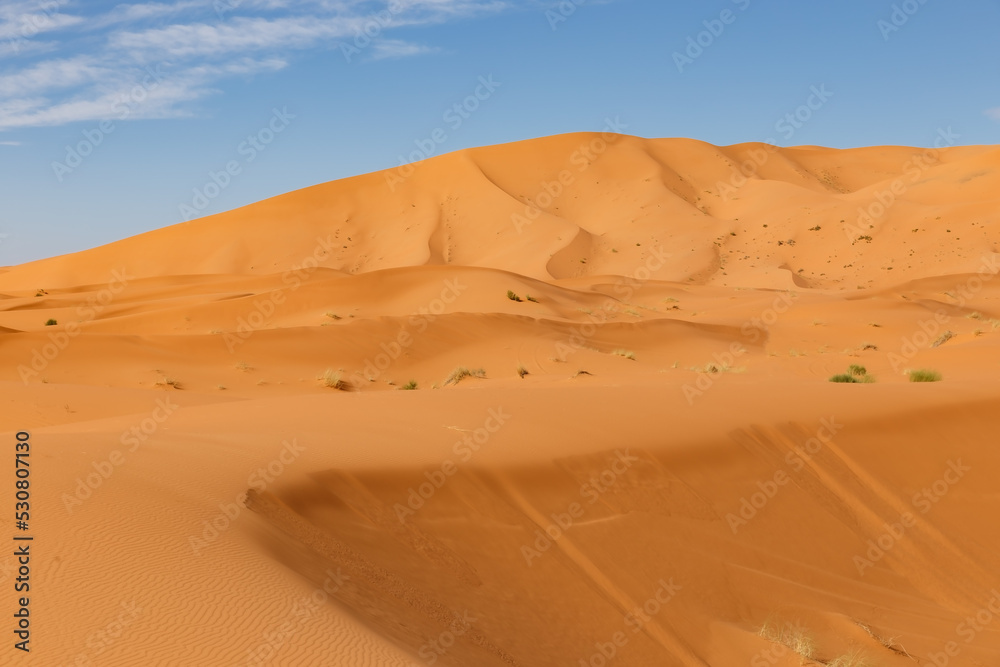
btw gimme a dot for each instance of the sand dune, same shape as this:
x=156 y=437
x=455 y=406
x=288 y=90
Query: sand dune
x=645 y=463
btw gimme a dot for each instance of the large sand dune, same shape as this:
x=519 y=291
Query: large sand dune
x=651 y=467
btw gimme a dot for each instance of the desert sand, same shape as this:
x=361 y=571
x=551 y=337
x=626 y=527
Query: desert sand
x=646 y=463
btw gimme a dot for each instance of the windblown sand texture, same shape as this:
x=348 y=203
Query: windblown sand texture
x=651 y=467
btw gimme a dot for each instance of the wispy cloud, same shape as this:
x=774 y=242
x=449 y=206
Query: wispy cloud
x=993 y=113
x=60 y=65
x=395 y=48
x=25 y=20
x=10 y=143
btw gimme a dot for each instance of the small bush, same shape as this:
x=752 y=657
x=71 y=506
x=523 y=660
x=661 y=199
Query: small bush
x=521 y=371
x=628 y=354
x=512 y=296
x=855 y=658
x=409 y=386
x=859 y=371
x=943 y=338
x=530 y=298
x=243 y=366
x=462 y=372
x=794 y=637
x=844 y=377
x=924 y=375
x=333 y=316
x=51 y=322
x=333 y=379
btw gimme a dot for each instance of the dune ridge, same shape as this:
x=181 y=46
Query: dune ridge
x=617 y=444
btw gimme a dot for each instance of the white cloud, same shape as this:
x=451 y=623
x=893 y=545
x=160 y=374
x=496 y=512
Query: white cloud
x=87 y=65
x=144 y=11
x=395 y=48
x=23 y=21
x=237 y=36
x=993 y=113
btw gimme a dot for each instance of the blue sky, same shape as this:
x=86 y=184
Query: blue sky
x=114 y=117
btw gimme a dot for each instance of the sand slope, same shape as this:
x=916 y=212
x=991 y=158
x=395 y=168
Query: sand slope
x=650 y=467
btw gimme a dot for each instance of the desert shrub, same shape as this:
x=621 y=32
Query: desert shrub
x=462 y=372
x=333 y=379
x=924 y=375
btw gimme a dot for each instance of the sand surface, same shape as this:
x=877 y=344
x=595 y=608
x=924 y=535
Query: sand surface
x=651 y=467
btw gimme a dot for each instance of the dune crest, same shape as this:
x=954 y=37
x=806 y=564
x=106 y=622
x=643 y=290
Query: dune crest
x=563 y=401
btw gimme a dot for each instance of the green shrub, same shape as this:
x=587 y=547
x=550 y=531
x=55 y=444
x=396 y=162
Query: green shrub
x=51 y=322
x=409 y=386
x=844 y=377
x=512 y=296
x=924 y=375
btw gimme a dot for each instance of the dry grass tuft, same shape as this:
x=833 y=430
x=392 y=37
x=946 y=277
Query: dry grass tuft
x=794 y=637
x=462 y=372
x=333 y=379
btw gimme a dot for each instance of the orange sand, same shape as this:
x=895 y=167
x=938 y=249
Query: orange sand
x=672 y=473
